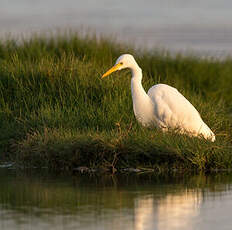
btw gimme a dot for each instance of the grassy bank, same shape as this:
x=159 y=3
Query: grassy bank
x=55 y=110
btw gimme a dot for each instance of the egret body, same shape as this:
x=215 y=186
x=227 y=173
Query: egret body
x=163 y=105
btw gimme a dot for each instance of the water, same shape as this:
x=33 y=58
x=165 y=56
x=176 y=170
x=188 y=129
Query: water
x=201 y=27
x=44 y=201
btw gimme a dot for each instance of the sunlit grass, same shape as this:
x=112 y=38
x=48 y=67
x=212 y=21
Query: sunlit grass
x=57 y=112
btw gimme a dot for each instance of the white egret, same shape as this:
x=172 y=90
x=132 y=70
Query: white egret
x=163 y=106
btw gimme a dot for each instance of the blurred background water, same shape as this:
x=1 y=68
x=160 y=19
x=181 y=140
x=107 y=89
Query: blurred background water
x=201 y=27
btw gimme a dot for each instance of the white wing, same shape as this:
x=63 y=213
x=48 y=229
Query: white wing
x=173 y=110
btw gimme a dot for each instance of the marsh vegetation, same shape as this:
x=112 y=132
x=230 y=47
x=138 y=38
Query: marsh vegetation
x=56 y=112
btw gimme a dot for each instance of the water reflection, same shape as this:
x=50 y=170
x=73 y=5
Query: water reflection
x=144 y=211
x=181 y=210
x=143 y=202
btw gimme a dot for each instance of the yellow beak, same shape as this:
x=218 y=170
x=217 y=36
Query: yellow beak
x=113 y=69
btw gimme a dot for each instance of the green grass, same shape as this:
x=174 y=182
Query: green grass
x=56 y=111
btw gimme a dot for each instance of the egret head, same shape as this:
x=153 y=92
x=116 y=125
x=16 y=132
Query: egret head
x=124 y=61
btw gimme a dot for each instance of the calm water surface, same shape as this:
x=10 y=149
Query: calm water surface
x=200 y=26
x=37 y=201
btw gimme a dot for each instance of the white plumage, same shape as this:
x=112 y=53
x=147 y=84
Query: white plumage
x=163 y=105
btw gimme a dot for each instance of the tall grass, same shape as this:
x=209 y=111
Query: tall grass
x=55 y=110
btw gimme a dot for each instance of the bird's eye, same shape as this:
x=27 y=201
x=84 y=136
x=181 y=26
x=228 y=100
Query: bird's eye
x=121 y=63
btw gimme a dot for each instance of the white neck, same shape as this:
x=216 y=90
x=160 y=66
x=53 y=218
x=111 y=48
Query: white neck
x=142 y=103
x=137 y=89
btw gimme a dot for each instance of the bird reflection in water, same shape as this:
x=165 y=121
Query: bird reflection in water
x=174 y=212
